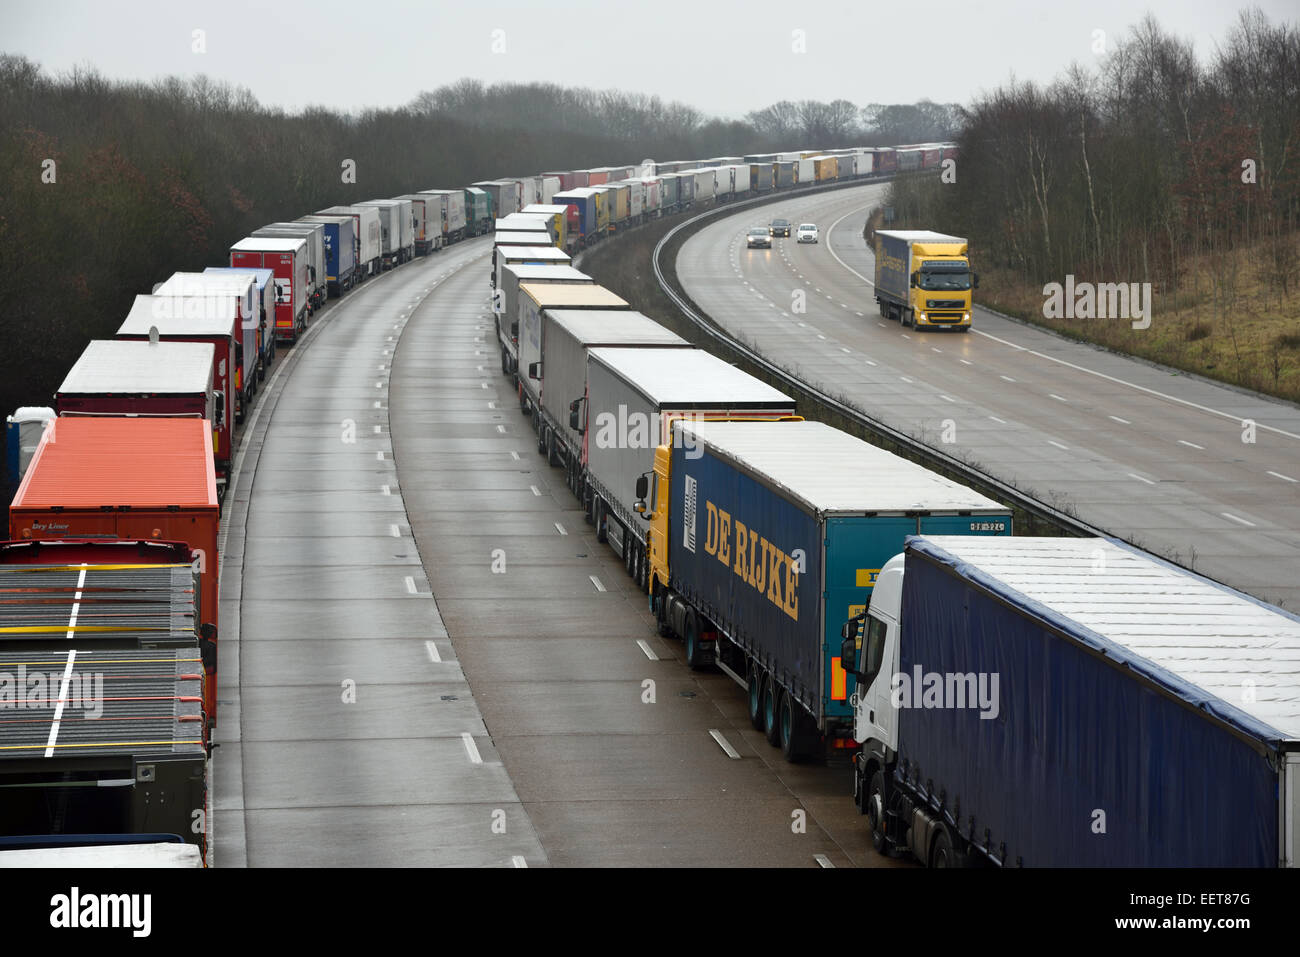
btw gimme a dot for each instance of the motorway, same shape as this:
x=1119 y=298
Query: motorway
x=425 y=656
x=1161 y=459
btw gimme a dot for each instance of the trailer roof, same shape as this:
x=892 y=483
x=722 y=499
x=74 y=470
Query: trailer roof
x=269 y=244
x=532 y=272
x=169 y=854
x=133 y=366
x=919 y=236
x=613 y=327
x=545 y=209
x=585 y=295
x=522 y=222
x=540 y=237
x=682 y=378
x=833 y=473
x=140 y=462
x=506 y=252
x=1179 y=629
x=213 y=315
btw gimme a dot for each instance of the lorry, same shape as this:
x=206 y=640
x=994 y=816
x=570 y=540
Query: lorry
x=504 y=193
x=314 y=233
x=924 y=279
x=505 y=302
x=242 y=288
x=550 y=185
x=454 y=221
x=339 y=235
x=265 y=293
x=556 y=218
x=126 y=377
x=632 y=397
x=1073 y=702
x=369 y=233
x=582 y=227
x=567 y=337
x=191 y=319
x=503 y=256
x=426 y=211
x=534 y=301
x=396 y=230
x=139 y=479
x=764 y=537
x=805 y=172
x=703 y=185
x=287 y=259
x=526 y=223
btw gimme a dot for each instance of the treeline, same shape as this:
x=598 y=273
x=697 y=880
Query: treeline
x=840 y=123
x=110 y=187
x=1133 y=169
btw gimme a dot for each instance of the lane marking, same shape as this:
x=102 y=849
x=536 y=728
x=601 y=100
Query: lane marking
x=1058 y=445
x=1236 y=519
x=1285 y=478
x=379 y=456
x=723 y=743
x=1191 y=445
x=824 y=861
x=946 y=398
x=597 y=582
x=395 y=531
x=536 y=490
x=997 y=420
x=471 y=748
x=645 y=647
x=1007 y=378
x=385 y=490
x=518 y=861
x=1058 y=398
x=432 y=649
x=410 y=585
x=515 y=456
x=1119 y=420
x=560 y=528
x=906 y=379
x=966 y=362
x=501 y=429
x=1140 y=478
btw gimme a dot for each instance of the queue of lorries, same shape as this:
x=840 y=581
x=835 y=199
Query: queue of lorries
x=1092 y=723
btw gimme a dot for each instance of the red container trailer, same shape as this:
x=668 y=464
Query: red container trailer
x=196 y=319
x=127 y=478
x=287 y=258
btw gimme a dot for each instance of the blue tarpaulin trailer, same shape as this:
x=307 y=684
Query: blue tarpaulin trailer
x=341 y=249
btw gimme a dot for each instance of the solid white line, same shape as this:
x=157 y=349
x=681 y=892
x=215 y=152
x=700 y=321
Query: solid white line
x=1236 y=519
x=1058 y=398
x=471 y=748
x=820 y=336
x=410 y=585
x=63 y=687
x=1007 y=378
x=868 y=362
x=823 y=860
x=1285 y=478
x=842 y=349
x=596 y=581
x=432 y=649
x=966 y=362
x=1192 y=445
x=645 y=647
x=1058 y=445
x=1140 y=478
x=997 y=420
x=536 y=490
x=397 y=533
x=1119 y=420
x=518 y=861
x=906 y=379
x=560 y=528
x=716 y=735
x=946 y=398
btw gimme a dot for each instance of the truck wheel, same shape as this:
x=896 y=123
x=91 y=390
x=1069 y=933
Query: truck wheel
x=695 y=657
x=756 y=697
x=875 y=811
x=772 y=693
x=552 y=456
x=944 y=854
x=794 y=730
x=505 y=361
x=964 y=328
x=598 y=512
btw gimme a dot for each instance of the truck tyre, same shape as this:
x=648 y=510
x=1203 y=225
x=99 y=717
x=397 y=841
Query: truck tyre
x=598 y=511
x=755 y=691
x=552 y=456
x=944 y=854
x=794 y=730
x=695 y=657
x=772 y=711
x=964 y=328
x=875 y=811
x=505 y=361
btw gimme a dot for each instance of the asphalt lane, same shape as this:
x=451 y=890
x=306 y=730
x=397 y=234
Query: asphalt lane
x=347 y=733
x=1165 y=460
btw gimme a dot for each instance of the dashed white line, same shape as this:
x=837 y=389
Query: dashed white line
x=471 y=748
x=1119 y=420
x=723 y=743
x=515 y=456
x=1065 y=448
x=1236 y=519
x=1058 y=398
x=600 y=586
x=997 y=420
x=935 y=349
x=1284 y=478
x=1191 y=445
x=966 y=362
x=645 y=647
x=906 y=379
x=432 y=649
x=395 y=531
x=410 y=585
x=561 y=529
x=536 y=490
x=946 y=398
x=501 y=429
x=519 y=862
x=385 y=490
x=824 y=861
x=379 y=456
x=1134 y=475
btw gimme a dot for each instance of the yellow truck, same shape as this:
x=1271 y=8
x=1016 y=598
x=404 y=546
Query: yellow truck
x=923 y=279
x=826 y=168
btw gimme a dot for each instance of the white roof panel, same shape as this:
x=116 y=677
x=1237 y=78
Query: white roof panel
x=506 y=253
x=613 y=327
x=532 y=272
x=682 y=378
x=270 y=244
x=831 y=472
x=1209 y=635
x=182 y=316
x=131 y=367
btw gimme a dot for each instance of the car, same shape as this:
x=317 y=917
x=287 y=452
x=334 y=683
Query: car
x=758 y=236
x=807 y=233
x=780 y=227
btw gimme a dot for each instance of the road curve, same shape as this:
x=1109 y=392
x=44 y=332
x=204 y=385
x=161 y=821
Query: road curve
x=1148 y=454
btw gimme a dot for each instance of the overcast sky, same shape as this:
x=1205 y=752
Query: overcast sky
x=723 y=58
